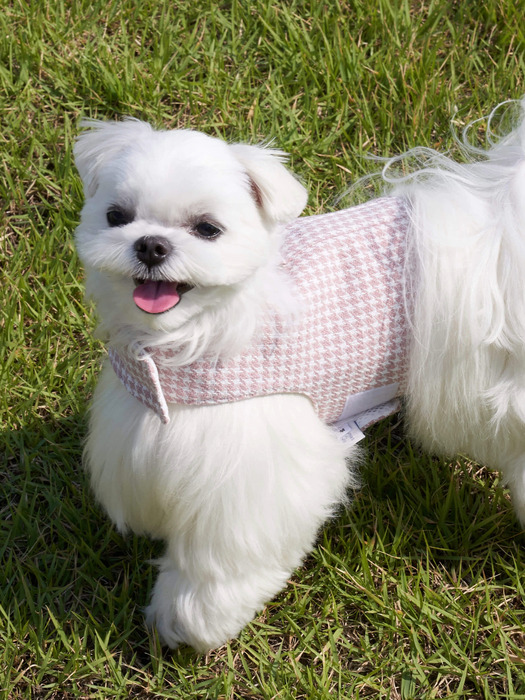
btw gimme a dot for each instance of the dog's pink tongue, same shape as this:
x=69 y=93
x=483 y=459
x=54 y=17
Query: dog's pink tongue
x=156 y=297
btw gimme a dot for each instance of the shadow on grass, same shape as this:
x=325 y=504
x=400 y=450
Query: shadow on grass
x=64 y=568
x=418 y=512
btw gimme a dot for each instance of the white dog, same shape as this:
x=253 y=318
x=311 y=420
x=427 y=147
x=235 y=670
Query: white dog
x=248 y=348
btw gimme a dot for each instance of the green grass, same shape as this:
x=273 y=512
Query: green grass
x=417 y=592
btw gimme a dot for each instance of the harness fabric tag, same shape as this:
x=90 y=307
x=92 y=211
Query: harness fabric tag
x=350 y=432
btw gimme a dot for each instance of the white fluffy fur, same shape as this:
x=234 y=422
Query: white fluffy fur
x=466 y=389
x=239 y=491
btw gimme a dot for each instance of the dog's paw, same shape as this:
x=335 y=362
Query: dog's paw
x=207 y=613
x=165 y=625
x=183 y=612
x=163 y=612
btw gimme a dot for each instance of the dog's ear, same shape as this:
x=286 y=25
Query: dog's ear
x=279 y=194
x=100 y=142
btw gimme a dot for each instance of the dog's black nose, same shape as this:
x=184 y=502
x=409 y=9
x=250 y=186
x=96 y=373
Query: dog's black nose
x=152 y=250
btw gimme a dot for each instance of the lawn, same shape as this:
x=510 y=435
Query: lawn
x=417 y=590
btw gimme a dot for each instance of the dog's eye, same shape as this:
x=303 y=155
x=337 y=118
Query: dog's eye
x=118 y=217
x=206 y=230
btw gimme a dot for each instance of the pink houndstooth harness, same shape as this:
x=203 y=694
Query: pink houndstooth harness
x=348 y=349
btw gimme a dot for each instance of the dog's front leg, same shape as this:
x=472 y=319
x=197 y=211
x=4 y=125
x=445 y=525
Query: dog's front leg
x=247 y=513
x=207 y=613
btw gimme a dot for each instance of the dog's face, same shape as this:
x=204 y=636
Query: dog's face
x=175 y=220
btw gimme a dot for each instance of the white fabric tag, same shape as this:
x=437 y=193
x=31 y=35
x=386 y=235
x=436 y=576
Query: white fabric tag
x=349 y=432
x=358 y=404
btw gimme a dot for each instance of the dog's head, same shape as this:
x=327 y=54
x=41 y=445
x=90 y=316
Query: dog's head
x=175 y=220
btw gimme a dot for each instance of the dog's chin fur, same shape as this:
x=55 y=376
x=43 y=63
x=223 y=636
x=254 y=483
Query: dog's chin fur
x=239 y=491
x=206 y=320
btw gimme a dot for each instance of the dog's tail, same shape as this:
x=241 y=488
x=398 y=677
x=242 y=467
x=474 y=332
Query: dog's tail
x=467 y=284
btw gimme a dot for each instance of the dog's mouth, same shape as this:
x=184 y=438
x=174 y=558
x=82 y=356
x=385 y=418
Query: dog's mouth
x=158 y=296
